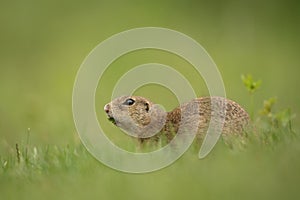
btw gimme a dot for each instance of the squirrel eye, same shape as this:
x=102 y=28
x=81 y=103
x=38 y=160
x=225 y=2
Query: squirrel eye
x=129 y=102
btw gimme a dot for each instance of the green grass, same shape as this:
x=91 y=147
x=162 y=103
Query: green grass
x=42 y=47
x=264 y=166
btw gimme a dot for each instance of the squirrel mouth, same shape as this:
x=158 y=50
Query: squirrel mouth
x=111 y=119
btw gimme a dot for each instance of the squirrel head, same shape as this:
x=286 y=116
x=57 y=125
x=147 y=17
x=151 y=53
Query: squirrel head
x=136 y=115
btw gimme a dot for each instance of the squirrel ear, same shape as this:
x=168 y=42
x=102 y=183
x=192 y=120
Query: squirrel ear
x=147 y=106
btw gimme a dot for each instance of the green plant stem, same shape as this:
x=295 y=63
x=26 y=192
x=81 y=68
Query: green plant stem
x=252 y=106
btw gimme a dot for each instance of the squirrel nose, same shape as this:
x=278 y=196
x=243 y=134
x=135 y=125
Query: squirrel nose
x=106 y=108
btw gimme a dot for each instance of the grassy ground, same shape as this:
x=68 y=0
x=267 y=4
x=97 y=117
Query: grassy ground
x=42 y=45
x=263 y=168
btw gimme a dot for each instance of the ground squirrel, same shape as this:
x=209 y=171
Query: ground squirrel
x=141 y=118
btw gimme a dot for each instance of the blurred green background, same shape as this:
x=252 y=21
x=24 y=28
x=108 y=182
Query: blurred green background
x=43 y=43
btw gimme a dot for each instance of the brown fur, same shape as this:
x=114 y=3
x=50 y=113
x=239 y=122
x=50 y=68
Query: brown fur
x=199 y=113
